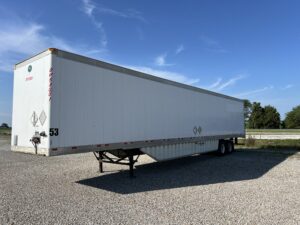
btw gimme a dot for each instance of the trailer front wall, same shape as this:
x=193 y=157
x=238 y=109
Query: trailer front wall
x=31 y=104
x=92 y=105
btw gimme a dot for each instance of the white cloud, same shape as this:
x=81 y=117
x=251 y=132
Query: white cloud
x=6 y=65
x=128 y=14
x=20 y=39
x=212 y=45
x=161 y=60
x=179 y=49
x=288 y=86
x=181 y=78
x=256 y=91
x=230 y=82
x=216 y=84
x=208 y=41
x=89 y=9
x=23 y=39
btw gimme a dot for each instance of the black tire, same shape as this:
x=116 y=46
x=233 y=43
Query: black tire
x=229 y=147
x=222 y=148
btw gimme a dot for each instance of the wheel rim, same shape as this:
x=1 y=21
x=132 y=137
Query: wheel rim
x=223 y=149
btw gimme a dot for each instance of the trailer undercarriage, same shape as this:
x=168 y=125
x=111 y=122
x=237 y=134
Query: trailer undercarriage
x=121 y=157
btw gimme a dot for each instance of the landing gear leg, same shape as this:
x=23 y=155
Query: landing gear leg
x=101 y=162
x=123 y=158
x=131 y=162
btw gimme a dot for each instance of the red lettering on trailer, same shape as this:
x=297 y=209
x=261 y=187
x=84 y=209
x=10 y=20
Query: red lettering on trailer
x=29 y=78
x=50 y=83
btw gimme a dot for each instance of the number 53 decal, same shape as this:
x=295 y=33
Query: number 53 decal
x=53 y=132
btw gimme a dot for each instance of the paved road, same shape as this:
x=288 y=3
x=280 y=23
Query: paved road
x=241 y=188
x=274 y=136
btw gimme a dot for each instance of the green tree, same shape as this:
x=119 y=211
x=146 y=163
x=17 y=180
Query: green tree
x=247 y=111
x=256 y=119
x=4 y=125
x=282 y=125
x=292 y=120
x=247 y=108
x=271 y=118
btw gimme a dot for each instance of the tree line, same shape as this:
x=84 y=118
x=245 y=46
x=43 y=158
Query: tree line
x=4 y=125
x=259 y=117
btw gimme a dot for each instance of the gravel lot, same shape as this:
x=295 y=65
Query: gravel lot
x=242 y=188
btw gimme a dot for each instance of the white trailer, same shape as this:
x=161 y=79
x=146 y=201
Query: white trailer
x=66 y=103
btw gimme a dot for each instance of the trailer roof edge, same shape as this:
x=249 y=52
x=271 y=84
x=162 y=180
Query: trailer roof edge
x=120 y=69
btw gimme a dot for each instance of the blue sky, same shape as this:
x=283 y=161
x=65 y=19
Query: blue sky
x=247 y=49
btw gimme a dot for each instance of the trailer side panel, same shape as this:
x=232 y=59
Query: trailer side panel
x=93 y=105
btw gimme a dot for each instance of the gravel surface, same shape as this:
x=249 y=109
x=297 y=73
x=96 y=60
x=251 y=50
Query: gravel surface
x=241 y=188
